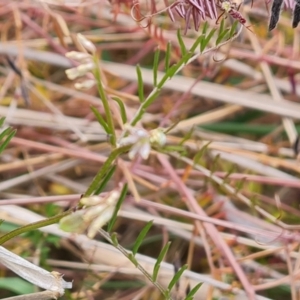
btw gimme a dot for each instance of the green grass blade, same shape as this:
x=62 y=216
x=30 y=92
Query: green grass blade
x=176 y=277
x=122 y=109
x=140 y=84
x=100 y=119
x=117 y=208
x=16 y=285
x=141 y=237
x=155 y=66
x=160 y=258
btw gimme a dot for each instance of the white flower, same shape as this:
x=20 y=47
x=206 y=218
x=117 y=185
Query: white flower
x=79 y=71
x=49 y=281
x=85 y=85
x=157 y=136
x=97 y=212
x=79 y=56
x=226 y=5
x=141 y=141
x=86 y=44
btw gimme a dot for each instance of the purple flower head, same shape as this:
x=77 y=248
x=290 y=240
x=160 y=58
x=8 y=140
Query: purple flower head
x=197 y=10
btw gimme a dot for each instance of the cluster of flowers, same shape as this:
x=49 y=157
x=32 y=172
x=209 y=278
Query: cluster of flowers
x=85 y=63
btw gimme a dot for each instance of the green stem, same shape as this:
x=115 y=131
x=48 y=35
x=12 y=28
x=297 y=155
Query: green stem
x=36 y=225
x=33 y=226
x=104 y=100
x=174 y=70
x=138 y=266
x=152 y=96
x=106 y=166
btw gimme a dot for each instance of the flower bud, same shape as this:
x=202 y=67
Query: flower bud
x=85 y=85
x=86 y=44
x=78 y=56
x=157 y=136
x=79 y=71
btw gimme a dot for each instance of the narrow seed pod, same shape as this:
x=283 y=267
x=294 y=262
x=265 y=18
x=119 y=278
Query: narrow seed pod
x=296 y=15
x=296 y=146
x=275 y=13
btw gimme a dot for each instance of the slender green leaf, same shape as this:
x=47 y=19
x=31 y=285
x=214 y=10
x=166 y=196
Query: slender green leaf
x=222 y=32
x=200 y=153
x=214 y=164
x=239 y=185
x=205 y=41
x=117 y=208
x=175 y=148
x=160 y=258
x=154 y=96
x=187 y=136
x=181 y=43
x=100 y=119
x=168 y=56
x=155 y=66
x=122 y=109
x=140 y=84
x=16 y=285
x=141 y=237
x=222 y=36
x=176 y=277
x=194 y=290
x=221 y=27
x=205 y=27
x=10 y=133
x=105 y=180
x=187 y=57
x=171 y=127
x=233 y=28
x=172 y=70
x=231 y=171
x=5 y=132
x=2 y=119
x=197 y=43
